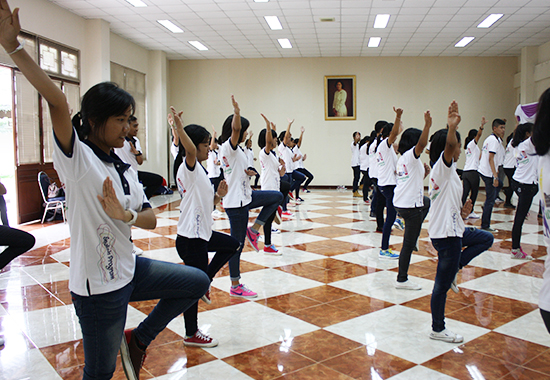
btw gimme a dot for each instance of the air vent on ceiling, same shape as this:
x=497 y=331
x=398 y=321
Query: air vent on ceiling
x=327 y=19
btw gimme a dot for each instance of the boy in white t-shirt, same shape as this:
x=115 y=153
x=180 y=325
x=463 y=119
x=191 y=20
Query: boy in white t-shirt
x=492 y=156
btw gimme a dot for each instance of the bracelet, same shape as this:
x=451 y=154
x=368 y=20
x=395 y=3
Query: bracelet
x=139 y=154
x=20 y=47
x=134 y=217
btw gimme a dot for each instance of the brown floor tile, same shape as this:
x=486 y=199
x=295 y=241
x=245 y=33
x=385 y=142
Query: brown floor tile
x=332 y=220
x=324 y=315
x=322 y=345
x=469 y=273
x=540 y=363
x=32 y=303
x=332 y=232
x=506 y=348
x=325 y=293
x=525 y=374
x=173 y=357
x=423 y=304
x=462 y=365
x=533 y=268
x=505 y=246
x=328 y=263
x=480 y=316
x=220 y=299
x=288 y=303
x=330 y=247
x=360 y=304
x=315 y=372
x=245 y=267
x=166 y=230
x=268 y=362
x=65 y=355
x=364 y=364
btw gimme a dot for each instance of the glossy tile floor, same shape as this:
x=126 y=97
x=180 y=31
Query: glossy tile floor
x=327 y=308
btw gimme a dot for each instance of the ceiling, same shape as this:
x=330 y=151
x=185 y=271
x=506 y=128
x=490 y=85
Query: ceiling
x=237 y=29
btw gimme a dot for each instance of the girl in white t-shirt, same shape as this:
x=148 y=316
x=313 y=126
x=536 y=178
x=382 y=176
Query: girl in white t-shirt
x=250 y=156
x=509 y=167
x=409 y=199
x=525 y=183
x=195 y=236
x=240 y=197
x=387 y=161
x=376 y=201
x=104 y=199
x=447 y=230
x=470 y=175
x=541 y=141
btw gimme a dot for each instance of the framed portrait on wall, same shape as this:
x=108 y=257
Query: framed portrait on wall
x=340 y=103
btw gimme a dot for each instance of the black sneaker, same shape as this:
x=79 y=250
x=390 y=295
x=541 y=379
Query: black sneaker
x=131 y=355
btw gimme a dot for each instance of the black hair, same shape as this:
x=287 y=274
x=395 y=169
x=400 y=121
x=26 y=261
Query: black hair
x=471 y=136
x=363 y=141
x=498 y=122
x=372 y=137
x=439 y=141
x=541 y=129
x=262 y=141
x=98 y=104
x=282 y=136
x=335 y=84
x=379 y=125
x=227 y=130
x=132 y=118
x=354 y=133
x=409 y=139
x=197 y=134
x=520 y=133
x=384 y=133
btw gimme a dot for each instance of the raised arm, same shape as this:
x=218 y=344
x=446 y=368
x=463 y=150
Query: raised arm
x=59 y=111
x=287 y=133
x=213 y=139
x=396 y=126
x=190 y=148
x=236 y=123
x=423 y=140
x=480 y=130
x=268 y=138
x=453 y=119
x=302 y=130
x=175 y=138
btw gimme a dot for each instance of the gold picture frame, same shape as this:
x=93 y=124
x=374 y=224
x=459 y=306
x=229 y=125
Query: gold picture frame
x=340 y=97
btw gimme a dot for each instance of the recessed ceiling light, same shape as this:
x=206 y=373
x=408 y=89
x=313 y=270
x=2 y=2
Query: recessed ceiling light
x=381 y=21
x=273 y=22
x=490 y=20
x=198 y=45
x=464 y=41
x=285 y=43
x=374 y=41
x=137 y=3
x=170 y=26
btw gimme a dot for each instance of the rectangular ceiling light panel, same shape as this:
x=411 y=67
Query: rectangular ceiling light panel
x=137 y=3
x=273 y=22
x=198 y=45
x=170 y=26
x=381 y=21
x=285 y=43
x=464 y=41
x=374 y=41
x=490 y=20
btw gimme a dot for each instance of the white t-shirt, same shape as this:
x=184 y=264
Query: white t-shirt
x=373 y=162
x=527 y=162
x=287 y=155
x=126 y=155
x=387 y=160
x=234 y=164
x=409 y=192
x=300 y=163
x=510 y=155
x=250 y=157
x=213 y=164
x=364 y=158
x=354 y=154
x=197 y=201
x=472 y=156
x=446 y=202
x=492 y=144
x=101 y=250
x=174 y=149
x=269 y=178
x=544 y=191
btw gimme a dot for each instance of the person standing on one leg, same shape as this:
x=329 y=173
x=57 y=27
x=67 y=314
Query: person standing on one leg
x=492 y=156
x=300 y=163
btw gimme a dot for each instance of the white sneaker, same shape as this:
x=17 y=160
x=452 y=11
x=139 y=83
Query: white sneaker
x=447 y=336
x=408 y=285
x=275 y=231
x=216 y=214
x=473 y=215
x=137 y=251
x=454 y=284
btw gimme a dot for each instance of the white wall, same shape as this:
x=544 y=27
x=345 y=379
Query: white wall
x=294 y=88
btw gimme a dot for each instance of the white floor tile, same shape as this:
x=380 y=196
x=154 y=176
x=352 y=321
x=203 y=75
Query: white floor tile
x=372 y=239
x=138 y=233
x=530 y=327
x=214 y=370
x=50 y=234
x=29 y=364
x=47 y=272
x=62 y=256
x=420 y=372
x=494 y=260
x=506 y=284
x=291 y=238
x=369 y=257
x=289 y=256
x=164 y=254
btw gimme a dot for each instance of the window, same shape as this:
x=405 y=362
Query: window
x=59 y=60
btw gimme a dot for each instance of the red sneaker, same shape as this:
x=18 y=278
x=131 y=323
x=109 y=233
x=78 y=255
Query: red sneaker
x=206 y=298
x=200 y=339
x=131 y=355
x=252 y=238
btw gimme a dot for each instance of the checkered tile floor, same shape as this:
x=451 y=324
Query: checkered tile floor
x=326 y=309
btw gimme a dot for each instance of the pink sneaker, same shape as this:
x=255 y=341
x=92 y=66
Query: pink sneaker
x=252 y=238
x=200 y=339
x=242 y=292
x=272 y=250
x=518 y=254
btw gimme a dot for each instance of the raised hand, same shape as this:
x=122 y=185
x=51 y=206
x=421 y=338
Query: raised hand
x=273 y=126
x=222 y=189
x=110 y=202
x=236 y=109
x=170 y=120
x=483 y=121
x=398 y=111
x=266 y=120
x=453 y=117
x=290 y=121
x=177 y=117
x=302 y=129
x=427 y=119
x=9 y=27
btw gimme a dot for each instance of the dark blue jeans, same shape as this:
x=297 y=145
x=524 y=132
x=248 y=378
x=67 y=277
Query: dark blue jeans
x=391 y=214
x=238 y=220
x=356 y=177
x=451 y=258
x=413 y=217
x=102 y=317
x=491 y=192
x=297 y=178
x=18 y=242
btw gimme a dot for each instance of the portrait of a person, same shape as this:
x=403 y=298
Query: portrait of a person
x=339 y=97
x=339 y=104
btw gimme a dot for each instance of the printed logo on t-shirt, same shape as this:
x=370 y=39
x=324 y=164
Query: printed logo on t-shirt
x=468 y=152
x=403 y=174
x=226 y=167
x=181 y=188
x=522 y=158
x=108 y=257
x=380 y=159
x=198 y=221
x=434 y=190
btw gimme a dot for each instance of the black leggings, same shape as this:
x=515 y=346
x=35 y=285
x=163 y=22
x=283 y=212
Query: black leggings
x=526 y=193
x=356 y=177
x=285 y=188
x=151 y=182
x=194 y=252
x=509 y=191
x=546 y=318
x=18 y=242
x=309 y=176
x=366 y=182
x=470 y=182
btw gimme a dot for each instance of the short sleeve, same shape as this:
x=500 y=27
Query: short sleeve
x=73 y=166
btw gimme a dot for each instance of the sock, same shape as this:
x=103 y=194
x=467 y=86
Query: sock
x=254 y=230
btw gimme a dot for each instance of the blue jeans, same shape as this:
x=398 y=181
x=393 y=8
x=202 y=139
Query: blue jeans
x=238 y=220
x=391 y=214
x=297 y=178
x=102 y=317
x=451 y=258
x=489 y=200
